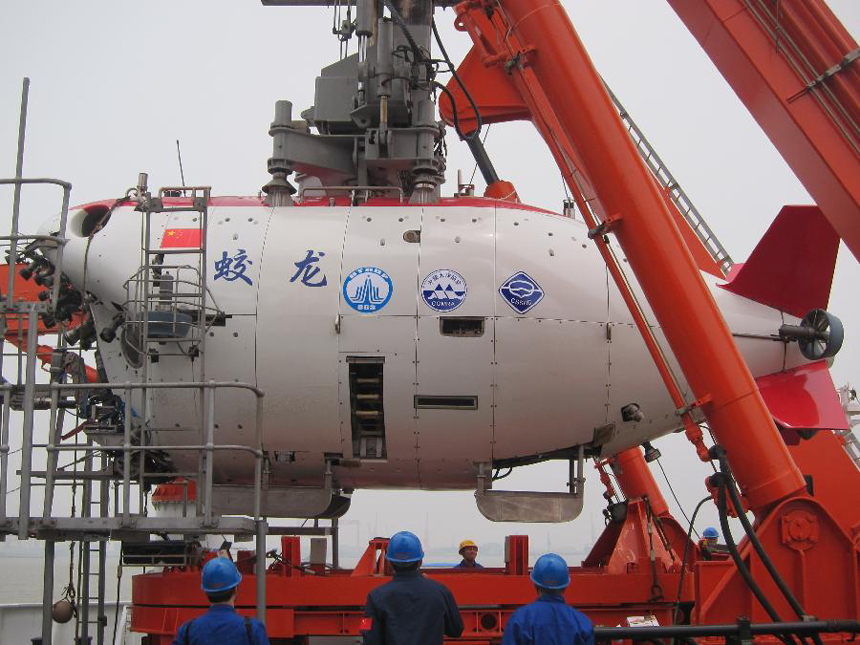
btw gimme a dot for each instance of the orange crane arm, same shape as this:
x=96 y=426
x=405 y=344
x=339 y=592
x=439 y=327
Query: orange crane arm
x=797 y=70
x=535 y=42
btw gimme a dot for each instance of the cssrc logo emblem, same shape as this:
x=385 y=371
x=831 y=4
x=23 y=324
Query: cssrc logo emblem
x=521 y=292
x=444 y=290
x=367 y=289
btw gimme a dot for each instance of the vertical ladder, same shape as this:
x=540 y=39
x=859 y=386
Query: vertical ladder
x=168 y=299
x=673 y=189
x=168 y=309
x=87 y=578
x=851 y=405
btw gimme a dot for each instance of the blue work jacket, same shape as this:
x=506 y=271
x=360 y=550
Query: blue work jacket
x=548 y=621
x=463 y=565
x=221 y=625
x=410 y=610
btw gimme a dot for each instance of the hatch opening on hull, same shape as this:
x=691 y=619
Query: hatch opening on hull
x=366 y=406
x=461 y=326
x=435 y=402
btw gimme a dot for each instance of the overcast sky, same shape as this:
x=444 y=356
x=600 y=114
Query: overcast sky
x=115 y=83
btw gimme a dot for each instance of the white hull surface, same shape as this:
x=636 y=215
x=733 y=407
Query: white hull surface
x=549 y=357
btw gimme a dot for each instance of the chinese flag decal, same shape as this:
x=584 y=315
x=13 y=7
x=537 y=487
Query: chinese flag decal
x=182 y=238
x=365 y=624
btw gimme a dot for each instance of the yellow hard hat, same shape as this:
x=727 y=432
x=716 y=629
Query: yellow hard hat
x=466 y=543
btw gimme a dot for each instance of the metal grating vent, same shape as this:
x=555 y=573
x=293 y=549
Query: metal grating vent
x=366 y=409
x=461 y=326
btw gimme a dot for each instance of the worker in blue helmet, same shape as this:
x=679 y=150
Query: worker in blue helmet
x=410 y=609
x=549 y=620
x=709 y=545
x=221 y=625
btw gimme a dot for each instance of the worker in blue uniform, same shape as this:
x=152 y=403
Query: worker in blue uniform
x=410 y=609
x=469 y=551
x=549 y=620
x=709 y=545
x=221 y=625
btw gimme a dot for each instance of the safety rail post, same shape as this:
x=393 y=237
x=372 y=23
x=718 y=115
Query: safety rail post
x=260 y=569
x=53 y=439
x=104 y=501
x=4 y=448
x=209 y=464
x=27 y=429
x=126 y=455
x=262 y=526
x=16 y=199
x=258 y=463
x=48 y=592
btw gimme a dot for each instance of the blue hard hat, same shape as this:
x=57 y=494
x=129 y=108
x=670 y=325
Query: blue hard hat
x=550 y=572
x=220 y=574
x=404 y=547
x=710 y=532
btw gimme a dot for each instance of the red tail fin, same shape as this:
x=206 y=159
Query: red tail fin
x=791 y=269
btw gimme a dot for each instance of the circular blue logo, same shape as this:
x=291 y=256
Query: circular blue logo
x=444 y=290
x=367 y=289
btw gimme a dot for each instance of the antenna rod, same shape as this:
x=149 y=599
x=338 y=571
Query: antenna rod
x=16 y=198
x=181 y=172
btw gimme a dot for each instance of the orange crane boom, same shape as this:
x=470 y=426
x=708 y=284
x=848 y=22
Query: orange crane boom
x=795 y=68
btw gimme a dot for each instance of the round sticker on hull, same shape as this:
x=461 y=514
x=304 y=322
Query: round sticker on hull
x=444 y=290
x=367 y=289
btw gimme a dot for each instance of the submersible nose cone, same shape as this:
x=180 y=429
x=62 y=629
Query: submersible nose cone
x=62 y=611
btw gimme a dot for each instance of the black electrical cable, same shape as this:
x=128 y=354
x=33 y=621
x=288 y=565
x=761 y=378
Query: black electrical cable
x=757 y=545
x=475 y=169
x=450 y=96
x=677 y=501
x=398 y=20
x=421 y=58
x=684 y=557
x=656 y=587
x=118 y=590
x=478 y=122
x=497 y=476
x=722 y=506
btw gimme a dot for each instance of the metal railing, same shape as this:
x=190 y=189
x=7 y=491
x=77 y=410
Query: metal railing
x=741 y=632
x=673 y=189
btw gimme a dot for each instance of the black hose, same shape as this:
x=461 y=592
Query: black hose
x=684 y=557
x=398 y=20
x=450 y=96
x=719 y=479
x=474 y=134
x=482 y=160
x=757 y=545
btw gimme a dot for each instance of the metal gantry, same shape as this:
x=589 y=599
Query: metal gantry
x=99 y=465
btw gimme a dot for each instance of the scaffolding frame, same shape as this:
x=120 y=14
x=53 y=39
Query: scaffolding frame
x=22 y=322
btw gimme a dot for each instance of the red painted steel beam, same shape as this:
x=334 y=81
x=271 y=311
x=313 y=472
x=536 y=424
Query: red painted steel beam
x=332 y=604
x=636 y=480
x=541 y=39
x=770 y=52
